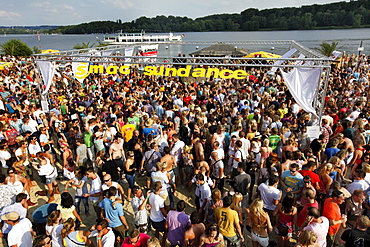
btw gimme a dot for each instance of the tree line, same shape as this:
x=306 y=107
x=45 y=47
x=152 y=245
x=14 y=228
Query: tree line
x=351 y=14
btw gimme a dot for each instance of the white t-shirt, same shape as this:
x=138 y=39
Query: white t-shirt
x=141 y=216
x=156 y=202
x=216 y=169
x=161 y=177
x=205 y=193
x=4 y=155
x=34 y=149
x=20 y=234
x=107 y=240
x=95 y=188
x=268 y=195
x=56 y=240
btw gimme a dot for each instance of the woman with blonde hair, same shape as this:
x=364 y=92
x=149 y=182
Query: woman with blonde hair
x=307 y=239
x=366 y=169
x=325 y=178
x=236 y=205
x=73 y=238
x=211 y=205
x=260 y=222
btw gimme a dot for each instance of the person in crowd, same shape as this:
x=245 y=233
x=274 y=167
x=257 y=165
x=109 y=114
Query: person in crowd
x=359 y=182
x=20 y=206
x=80 y=183
x=359 y=235
x=95 y=189
x=68 y=209
x=354 y=207
x=73 y=237
x=287 y=216
x=229 y=223
x=270 y=195
x=259 y=224
x=242 y=182
x=176 y=223
x=307 y=239
x=331 y=211
x=196 y=230
x=316 y=224
x=54 y=227
x=104 y=234
x=140 y=205
x=291 y=180
x=211 y=236
x=158 y=213
x=112 y=211
x=21 y=233
x=136 y=239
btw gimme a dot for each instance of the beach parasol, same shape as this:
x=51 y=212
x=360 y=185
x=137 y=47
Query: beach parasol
x=49 y=51
x=263 y=54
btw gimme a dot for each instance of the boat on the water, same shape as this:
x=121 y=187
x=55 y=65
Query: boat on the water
x=142 y=37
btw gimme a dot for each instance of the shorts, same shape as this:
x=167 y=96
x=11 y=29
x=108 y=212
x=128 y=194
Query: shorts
x=50 y=180
x=262 y=240
x=166 y=198
x=159 y=226
x=120 y=231
x=175 y=170
x=234 y=241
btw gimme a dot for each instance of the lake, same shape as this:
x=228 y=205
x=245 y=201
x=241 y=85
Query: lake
x=349 y=39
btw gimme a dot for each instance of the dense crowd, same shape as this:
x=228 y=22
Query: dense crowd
x=240 y=147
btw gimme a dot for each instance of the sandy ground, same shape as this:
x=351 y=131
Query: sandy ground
x=182 y=194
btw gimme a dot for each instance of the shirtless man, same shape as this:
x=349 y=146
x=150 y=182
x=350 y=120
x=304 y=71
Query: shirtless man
x=196 y=230
x=172 y=168
x=199 y=149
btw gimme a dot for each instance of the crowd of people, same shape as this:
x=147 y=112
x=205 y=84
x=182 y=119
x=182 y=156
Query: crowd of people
x=237 y=151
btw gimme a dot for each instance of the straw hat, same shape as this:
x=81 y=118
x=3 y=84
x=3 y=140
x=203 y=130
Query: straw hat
x=176 y=108
x=148 y=123
x=80 y=108
x=13 y=216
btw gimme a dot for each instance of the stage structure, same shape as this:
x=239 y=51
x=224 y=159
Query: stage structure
x=304 y=58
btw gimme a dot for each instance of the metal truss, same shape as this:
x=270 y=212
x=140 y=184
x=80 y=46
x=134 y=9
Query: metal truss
x=312 y=59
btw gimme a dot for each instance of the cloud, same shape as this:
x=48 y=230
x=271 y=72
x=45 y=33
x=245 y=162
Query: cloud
x=8 y=15
x=122 y=4
x=49 y=7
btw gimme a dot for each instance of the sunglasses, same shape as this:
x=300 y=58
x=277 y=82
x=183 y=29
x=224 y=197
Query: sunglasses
x=106 y=180
x=291 y=171
x=307 y=182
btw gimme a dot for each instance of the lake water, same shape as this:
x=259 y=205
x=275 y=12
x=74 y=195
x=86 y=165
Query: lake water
x=349 y=39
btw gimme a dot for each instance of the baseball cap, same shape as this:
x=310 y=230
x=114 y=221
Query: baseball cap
x=13 y=216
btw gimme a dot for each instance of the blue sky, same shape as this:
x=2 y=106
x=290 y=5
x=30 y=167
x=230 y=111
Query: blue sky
x=52 y=12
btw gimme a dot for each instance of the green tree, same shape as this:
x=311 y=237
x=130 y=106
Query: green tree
x=327 y=49
x=83 y=45
x=36 y=50
x=16 y=47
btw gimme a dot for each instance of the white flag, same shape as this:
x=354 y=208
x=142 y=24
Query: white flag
x=335 y=54
x=47 y=72
x=302 y=84
x=299 y=62
x=286 y=55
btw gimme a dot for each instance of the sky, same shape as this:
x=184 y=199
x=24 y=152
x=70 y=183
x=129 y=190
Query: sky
x=70 y=12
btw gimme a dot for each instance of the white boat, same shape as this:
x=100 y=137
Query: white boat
x=131 y=38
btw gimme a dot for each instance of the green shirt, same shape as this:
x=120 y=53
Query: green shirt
x=274 y=141
x=88 y=140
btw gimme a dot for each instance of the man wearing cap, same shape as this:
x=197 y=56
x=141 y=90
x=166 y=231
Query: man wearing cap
x=21 y=233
